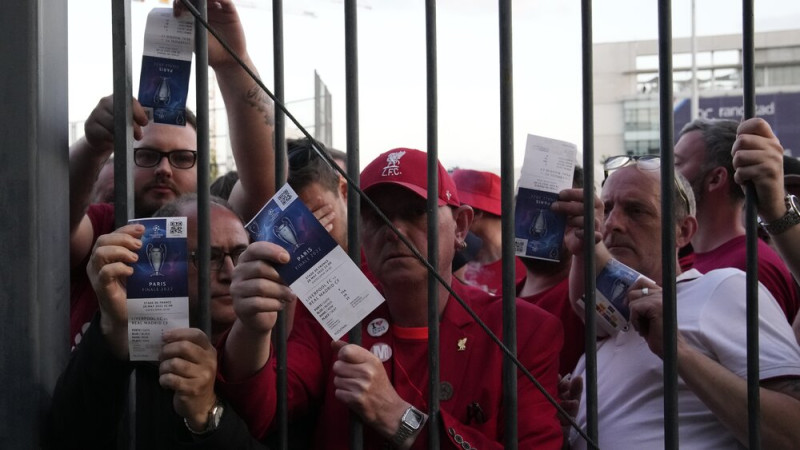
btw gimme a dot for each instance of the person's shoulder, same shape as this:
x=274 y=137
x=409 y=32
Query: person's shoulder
x=768 y=257
x=100 y=209
x=102 y=217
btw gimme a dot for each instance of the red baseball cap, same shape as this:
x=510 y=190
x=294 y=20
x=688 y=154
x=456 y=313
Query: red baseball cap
x=480 y=190
x=408 y=168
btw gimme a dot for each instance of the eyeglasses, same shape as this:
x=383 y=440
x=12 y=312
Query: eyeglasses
x=646 y=162
x=179 y=159
x=217 y=258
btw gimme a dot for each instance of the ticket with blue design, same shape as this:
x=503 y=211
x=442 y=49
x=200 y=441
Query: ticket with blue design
x=613 y=284
x=546 y=170
x=321 y=274
x=158 y=296
x=166 y=66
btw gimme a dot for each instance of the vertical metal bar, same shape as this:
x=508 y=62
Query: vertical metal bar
x=753 y=397
x=124 y=207
x=668 y=270
x=588 y=223
x=509 y=374
x=353 y=199
x=33 y=251
x=433 y=210
x=280 y=177
x=203 y=173
x=123 y=116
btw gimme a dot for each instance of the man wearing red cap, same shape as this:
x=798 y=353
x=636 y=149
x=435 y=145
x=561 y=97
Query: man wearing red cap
x=481 y=191
x=385 y=380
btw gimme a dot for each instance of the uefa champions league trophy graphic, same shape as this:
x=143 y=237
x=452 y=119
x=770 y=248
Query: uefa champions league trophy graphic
x=162 y=96
x=539 y=227
x=617 y=291
x=255 y=231
x=156 y=257
x=286 y=232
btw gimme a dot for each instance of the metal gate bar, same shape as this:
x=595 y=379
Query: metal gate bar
x=753 y=397
x=433 y=214
x=509 y=370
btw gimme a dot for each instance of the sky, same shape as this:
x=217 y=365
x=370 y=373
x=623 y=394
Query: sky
x=392 y=83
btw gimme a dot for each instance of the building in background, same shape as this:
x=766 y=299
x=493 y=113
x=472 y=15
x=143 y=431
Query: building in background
x=626 y=87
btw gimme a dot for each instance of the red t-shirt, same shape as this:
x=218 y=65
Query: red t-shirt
x=82 y=299
x=772 y=272
x=489 y=277
x=556 y=301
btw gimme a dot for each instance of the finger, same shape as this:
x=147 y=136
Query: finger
x=260 y=286
x=571 y=195
x=264 y=251
x=127 y=236
x=112 y=254
x=254 y=306
x=110 y=273
x=193 y=336
x=357 y=371
x=338 y=345
x=178 y=8
x=351 y=353
x=576 y=387
x=755 y=125
x=173 y=382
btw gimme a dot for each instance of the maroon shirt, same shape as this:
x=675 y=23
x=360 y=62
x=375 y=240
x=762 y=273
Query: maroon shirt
x=556 y=301
x=772 y=271
x=82 y=299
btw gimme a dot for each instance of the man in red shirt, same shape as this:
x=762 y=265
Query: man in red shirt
x=703 y=156
x=481 y=191
x=384 y=381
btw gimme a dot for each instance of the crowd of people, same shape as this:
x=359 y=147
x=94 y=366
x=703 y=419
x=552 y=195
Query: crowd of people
x=220 y=391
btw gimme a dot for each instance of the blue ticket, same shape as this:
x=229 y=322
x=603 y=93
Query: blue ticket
x=321 y=274
x=158 y=296
x=613 y=284
x=166 y=66
x=538 y=231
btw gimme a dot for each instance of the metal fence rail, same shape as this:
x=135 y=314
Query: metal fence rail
x=35 y=256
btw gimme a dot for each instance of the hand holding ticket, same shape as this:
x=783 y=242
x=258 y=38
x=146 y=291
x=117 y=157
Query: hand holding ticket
x=614 y=282
x=319 y=271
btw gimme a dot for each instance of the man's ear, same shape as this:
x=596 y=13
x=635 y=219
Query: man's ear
x=685 y=230
x=343 y=188
x=717 y=178
x=463 y=216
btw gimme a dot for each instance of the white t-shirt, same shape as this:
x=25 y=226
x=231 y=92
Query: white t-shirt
x=712 y=318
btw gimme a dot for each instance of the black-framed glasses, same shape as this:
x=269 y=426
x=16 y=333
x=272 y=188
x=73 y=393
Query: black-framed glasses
x=150 y=157
x=646 y=162
x=217 y=258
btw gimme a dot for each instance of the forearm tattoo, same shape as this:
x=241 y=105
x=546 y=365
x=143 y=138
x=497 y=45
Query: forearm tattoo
x=258 y=99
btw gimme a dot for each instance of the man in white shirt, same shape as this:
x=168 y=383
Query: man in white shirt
x=712 y=391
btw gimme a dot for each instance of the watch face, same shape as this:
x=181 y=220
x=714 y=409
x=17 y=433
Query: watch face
x=792 y=203
x=413 y=418
x=215 y=416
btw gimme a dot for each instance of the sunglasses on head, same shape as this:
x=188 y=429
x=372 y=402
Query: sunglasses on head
x=644 y=162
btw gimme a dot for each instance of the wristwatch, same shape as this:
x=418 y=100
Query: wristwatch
x=412 y=420
x=214 y=419
x=791 y=218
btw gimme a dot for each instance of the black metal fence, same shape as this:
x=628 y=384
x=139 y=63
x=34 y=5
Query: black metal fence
x=34 y=240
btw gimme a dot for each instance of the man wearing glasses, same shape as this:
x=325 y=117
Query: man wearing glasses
x=176 y=405
x=165 y=158
x=711 y=317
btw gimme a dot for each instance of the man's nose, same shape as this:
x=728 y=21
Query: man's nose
x=164 y=168
x=226 y=271
x=613 y=221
